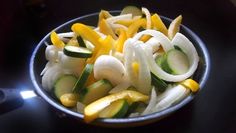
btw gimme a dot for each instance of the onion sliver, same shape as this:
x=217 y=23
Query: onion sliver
x=120 y=17
x=152 y=102
x=164 y=41
x=134 y=52
x=173 y=95
x=148 y=17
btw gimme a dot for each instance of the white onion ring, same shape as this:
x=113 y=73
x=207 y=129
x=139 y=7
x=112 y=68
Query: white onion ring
x=181 y=41
x=164 y=41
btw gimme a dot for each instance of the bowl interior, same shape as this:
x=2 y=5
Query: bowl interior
x=38 y=62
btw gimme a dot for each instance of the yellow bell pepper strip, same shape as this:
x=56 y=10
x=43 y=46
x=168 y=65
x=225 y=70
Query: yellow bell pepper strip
x=91 y=111
x=158 y=24
x=103 y=15
x=133 y=28
x=127 y=23
x=87 y=33
x=145 y=38
x=106 y=29
x=190 y=84
x=56 y=41
x=106 y=45
x=174 y=27
x=121 y=40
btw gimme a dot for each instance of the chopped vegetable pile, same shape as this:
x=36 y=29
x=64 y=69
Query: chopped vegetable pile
x=129 y=65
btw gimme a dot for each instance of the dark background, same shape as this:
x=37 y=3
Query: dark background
x=23 y=23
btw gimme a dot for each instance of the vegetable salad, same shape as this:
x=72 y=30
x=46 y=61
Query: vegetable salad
x=127 y=66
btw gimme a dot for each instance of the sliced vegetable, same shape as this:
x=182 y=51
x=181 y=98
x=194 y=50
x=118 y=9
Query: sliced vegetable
x=134 y=27
x=69 y=99
x=110 y=68
x=152 y=102
x=87 y=33
x=64 y=85
x=91 y=111
x=160 y=37
x=148 y=17
x=135 y=11
x=188 y=48
x=174 y=27
x=142 y=80
x=83 y=78
x=78 y=52
x=158 y=24
x=120 y=87
x=190 y=84
x=81 y=41
x=95 y=91
x=106 y=45
x=158 y=83
x=103 y=15
x=173 y=95
x=56 y=40
x=175 y=62
x=106 y=29
x=121 y=40
x=117 y=109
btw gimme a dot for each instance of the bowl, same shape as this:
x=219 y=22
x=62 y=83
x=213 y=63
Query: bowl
x=38 y=62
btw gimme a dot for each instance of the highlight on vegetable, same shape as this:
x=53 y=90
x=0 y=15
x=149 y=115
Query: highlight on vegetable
x=128 y=65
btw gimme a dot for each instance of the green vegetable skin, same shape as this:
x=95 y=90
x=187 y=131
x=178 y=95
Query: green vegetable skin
x=83 y=78
x=174 y=62
x=117 y=109
x=95 y=91
x=64 y=85
x=81 y=41
x=159 y=84
x=77 y=52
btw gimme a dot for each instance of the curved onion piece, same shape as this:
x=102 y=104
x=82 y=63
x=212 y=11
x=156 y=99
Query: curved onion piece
x=119 y=87
x=152 y=102
x=173 y=95
x=154 y=43
x=181 y=41
x=51 y=53
x=120 y=17
x=110 y=68
x=148 y=17
x=51 y=75
x=134 y=52
x=144 y=79
x=164 y=41
x=66 y=34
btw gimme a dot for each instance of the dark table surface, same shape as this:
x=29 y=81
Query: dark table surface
x=24 y=22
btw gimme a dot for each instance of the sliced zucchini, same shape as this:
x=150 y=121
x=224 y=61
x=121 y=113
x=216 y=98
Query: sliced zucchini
x=158 y=83
x=78 y=52
x=64 y=85
x=135 y=11
x=83 y=78
x=81 y=42
x=95 y=91
x=117 y=109
x=159 y=59
x=175 y=62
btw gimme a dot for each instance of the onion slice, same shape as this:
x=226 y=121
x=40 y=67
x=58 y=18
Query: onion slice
x=134 y=52
x=181 y=41
x=152 y=102
x=164 y=41
x=148 y=17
